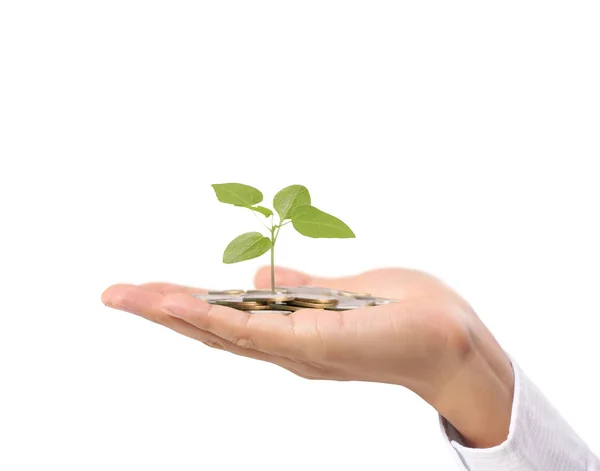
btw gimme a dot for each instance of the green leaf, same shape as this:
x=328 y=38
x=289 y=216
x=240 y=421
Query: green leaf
x=237 y=194
x=290 y=198
x=245 y=247
x=261 y=209
x=312 y=222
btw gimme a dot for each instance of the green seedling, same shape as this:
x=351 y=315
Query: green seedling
x=293 y=205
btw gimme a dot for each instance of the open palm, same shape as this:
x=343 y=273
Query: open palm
x=418 y=341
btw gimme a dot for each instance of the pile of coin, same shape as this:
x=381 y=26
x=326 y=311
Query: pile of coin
x=286 y=299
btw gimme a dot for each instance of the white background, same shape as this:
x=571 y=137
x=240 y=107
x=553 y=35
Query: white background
x=461 y=138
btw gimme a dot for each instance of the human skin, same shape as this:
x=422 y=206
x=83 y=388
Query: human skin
x=431 y=341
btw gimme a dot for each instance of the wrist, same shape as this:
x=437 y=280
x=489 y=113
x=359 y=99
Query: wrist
x=478 y=400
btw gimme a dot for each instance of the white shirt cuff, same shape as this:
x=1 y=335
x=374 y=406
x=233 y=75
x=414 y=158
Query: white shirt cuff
x=538 y=439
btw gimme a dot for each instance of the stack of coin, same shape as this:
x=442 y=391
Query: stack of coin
x=287 y=299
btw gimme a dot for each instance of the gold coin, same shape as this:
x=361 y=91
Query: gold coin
x=269 y=298
x=312 y=305
x=241 y=305
x=255 y=307
x=315 y=298
x=270 y=311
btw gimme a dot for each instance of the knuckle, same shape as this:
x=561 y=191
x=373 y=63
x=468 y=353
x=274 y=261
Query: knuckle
x=205 y=322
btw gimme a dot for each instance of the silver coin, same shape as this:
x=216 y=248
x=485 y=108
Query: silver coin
x=348 y=304
x=227 y=291
x=308 y=290
x=278 y=290
x=343 y=307
x=356 y=302
x=217 y=297
x=382 y=301
x=348 y=294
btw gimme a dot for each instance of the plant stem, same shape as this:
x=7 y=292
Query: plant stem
x=273 y=239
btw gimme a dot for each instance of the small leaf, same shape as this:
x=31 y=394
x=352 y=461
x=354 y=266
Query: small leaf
x=290 y=198
x=312 y=222
x=237 y=194
x=245 y=247
x=261 y=209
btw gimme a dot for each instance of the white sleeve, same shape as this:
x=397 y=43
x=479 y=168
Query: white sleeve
x=538 y=440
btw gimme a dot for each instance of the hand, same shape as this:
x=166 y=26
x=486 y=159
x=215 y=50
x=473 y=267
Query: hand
x=431 y=341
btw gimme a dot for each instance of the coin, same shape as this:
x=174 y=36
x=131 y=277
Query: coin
x=340 y=308
x=270 y=311
x=234 y=298
x=312 y=305
x=292 y=298
x=382 y=301
x=356 y=302
x=343 y=293
x=227 y=291
x=278 y=290
x=285 y=307
x=348 y=304
x=242 y=305
x=315 y=298
x=254 y=307
x=309 y=290
x=269 y=297
x=215 y=297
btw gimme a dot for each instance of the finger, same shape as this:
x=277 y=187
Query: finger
x=211 y=340
x=166 y=288
x=147 y=304
x=135 y=299
x=268 y=333
x=289 y=277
